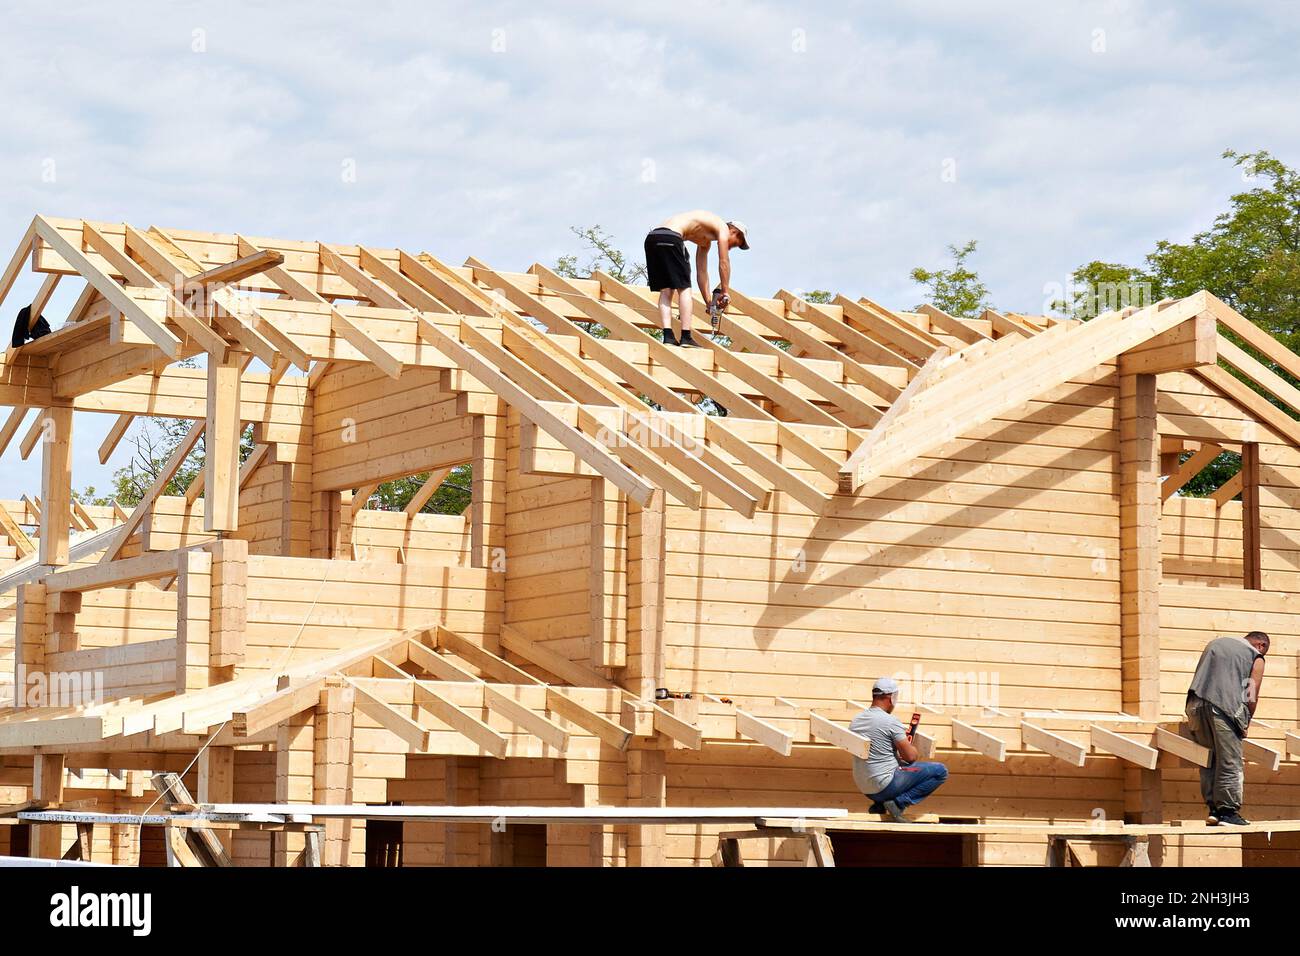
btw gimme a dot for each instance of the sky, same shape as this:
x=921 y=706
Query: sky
x=857 y=140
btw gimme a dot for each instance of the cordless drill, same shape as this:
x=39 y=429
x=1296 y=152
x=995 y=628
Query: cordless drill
x=717 y=305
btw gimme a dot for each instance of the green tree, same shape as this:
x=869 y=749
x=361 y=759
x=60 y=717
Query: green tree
x=155 y=440
x=602 y=255
x=1249 y=257
x=956 y=290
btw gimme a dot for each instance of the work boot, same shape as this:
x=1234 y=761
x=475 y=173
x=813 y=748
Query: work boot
x=689 y=343
x=1212 y=818
x=1231 y=818
x=670 y=338
x=876 y=807
x=895 y=812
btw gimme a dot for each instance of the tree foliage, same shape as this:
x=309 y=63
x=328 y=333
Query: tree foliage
x=956 y=290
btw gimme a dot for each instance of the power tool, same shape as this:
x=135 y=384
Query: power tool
x=717 y=305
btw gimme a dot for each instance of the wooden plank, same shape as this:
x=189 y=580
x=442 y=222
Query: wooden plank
x=401 y=726
x=951 y=325
x=17 y=536
x=12 y=423
x=767 y=734
x=980 y=740
x=1255 y=752
x=56 y=486
x=496 y=667
x=459 y=719
x=113 y=438
x=222 y=445
x=841 y=737
x=569 y=671
x=118 y=297
x=189 y=323
x=850 y=476
x=1120 y=746
x=1189 y=469
x=132 y=523
x=1059 y=747
x=1180 y=746
x=601 y=726
x=431 y=485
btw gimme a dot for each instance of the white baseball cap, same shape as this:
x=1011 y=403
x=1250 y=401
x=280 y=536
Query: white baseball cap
x=739 y=226
x=883 y=686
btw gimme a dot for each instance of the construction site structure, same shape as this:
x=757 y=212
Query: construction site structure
x=676 y=578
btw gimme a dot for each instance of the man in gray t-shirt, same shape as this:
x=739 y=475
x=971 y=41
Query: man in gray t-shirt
x=890 y=775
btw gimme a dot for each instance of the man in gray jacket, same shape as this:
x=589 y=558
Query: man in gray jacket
x=1220 y=704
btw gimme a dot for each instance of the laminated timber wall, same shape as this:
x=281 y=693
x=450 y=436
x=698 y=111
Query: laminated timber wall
x=566 y=555
x=1012 y=530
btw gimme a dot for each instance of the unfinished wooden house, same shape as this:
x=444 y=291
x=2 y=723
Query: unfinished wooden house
x=644 y=604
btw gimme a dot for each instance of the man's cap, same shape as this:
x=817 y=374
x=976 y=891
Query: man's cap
x=883 y=686
x=739 y=226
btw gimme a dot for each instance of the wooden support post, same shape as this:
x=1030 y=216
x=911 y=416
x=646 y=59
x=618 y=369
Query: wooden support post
x=1252 y=572
x=646 y=787
x=217 y=784
x=645 y=621
x=607 y=585
x=221 y=458
x=462 y=841
x=194 y=621
x=229 y=597
x=56 y=485
x=47 y=787
x=1140 y=560
x=294 y=780
x=332 y=773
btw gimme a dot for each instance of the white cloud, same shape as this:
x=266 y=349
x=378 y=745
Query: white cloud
x=824 y=127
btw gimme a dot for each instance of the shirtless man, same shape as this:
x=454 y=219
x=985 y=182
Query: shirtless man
x=670 y=271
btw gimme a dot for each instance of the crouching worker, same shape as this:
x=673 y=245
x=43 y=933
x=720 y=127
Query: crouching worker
x=890 y=775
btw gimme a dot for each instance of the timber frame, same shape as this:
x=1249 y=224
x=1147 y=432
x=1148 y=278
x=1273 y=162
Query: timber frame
x=644 y=606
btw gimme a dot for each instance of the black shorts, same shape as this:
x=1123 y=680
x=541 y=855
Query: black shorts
x=665 y=260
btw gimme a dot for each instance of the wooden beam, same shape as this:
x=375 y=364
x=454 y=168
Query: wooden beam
x=976 y=739
x=895 y=333
x=222 y=444
x=56 y=486
x=1255 y=752
x=841 y=737
x=12 y=423
x=951 y=325
x=231 y=272
x=238 y=316
x=114 y=436
x=1180 y=746
x=581 y=445
x=860 y=346
x=1120 y=746
x=767 y=734
x=851 y=474
x=174 y=310
x=401 y=726
x=160 y=482
x=559 y=703
x=427 y=490
x=21 y=542
x=495 y=667
x=1059 y=747
x=251 y=720
x=682 y=731
x=569 y=671
x=1189 y=469
x=1228 y=490
x=1188 y=345
x=459 y=719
